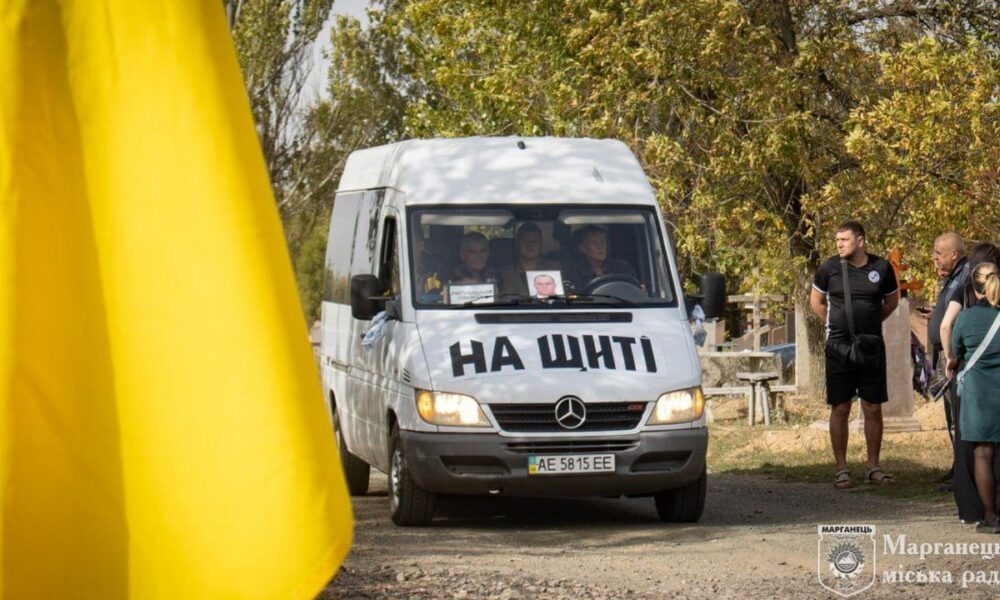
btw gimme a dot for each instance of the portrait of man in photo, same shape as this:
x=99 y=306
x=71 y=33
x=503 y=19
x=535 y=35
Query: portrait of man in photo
x=543 y=284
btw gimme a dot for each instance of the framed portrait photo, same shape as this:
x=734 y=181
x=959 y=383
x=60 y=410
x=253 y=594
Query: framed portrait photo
x=542 y=284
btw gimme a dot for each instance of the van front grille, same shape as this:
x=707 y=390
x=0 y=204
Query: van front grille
x=541 y=418
x=572 y=446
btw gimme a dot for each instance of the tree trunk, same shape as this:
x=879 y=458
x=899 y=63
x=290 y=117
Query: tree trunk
x=810 y=347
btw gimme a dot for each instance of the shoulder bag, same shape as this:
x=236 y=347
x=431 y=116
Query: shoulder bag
x=979 y=352
x=866 y=348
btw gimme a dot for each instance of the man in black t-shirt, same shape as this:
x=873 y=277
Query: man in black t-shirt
x=873 y=298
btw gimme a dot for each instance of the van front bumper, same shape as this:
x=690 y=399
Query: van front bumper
x=478 y=463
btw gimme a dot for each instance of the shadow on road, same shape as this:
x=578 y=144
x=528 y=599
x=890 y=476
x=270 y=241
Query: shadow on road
x=746 y=502
x=915 y=480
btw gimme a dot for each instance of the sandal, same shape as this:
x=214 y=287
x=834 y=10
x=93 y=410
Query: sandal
x=842 y=479
x=875 y=476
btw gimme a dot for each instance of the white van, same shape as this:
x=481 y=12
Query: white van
x=529 y=334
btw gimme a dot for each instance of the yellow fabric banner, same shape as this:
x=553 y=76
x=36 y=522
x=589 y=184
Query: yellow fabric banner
x=162 y=428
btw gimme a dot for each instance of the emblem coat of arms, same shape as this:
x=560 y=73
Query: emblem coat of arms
x=845 y=558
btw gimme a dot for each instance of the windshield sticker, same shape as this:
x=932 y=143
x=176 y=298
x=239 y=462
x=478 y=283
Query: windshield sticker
x=543 y=284
x=475 y=292
x=579 y=353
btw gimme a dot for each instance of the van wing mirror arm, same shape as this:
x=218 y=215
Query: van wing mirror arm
x=392 y=309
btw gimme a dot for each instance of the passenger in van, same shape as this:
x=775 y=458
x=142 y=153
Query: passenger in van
x=592 y=242
x=474 y=254
x=528 y=246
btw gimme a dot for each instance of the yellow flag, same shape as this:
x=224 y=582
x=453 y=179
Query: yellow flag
x=162 y=428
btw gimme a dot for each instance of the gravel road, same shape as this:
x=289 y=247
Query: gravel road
x=757 y=539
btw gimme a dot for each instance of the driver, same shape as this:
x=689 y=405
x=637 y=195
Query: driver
x=593 y=246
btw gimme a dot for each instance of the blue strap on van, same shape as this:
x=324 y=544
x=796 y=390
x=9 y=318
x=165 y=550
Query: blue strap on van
x=375 y=331
x=700 y=335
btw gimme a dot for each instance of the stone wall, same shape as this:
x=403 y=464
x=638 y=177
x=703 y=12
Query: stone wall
x=719 y=369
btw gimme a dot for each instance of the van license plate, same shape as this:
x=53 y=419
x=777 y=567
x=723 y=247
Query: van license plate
x=569 y=464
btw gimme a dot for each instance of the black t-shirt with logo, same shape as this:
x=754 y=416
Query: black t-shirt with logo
x=870 y=284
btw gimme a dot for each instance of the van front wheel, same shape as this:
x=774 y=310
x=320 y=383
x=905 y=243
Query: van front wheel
x=356 y=471
x=409 y=504
x=682 y=505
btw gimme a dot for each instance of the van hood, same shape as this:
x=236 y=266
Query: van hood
x=512 y=361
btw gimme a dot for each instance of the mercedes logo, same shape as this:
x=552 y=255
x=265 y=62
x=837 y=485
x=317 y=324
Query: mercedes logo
x=570 y=412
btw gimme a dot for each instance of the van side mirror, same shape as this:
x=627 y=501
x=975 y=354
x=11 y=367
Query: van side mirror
x=366 y=297
x=713 y=293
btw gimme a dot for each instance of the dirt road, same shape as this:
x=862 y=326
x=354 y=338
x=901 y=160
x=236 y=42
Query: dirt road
x=757 y=539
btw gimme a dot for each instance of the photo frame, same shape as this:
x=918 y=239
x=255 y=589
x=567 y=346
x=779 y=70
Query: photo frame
x=542 y=284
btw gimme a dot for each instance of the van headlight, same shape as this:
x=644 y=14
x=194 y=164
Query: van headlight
x=446 y=408
x=678 y=407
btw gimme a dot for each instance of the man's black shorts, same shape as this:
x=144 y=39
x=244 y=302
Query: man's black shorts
x=843 y=381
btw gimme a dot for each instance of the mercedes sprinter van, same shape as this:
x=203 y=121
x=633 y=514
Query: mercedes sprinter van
x=504 y=316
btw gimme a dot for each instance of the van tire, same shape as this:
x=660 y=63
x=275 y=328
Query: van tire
x=684 y=504
x=409 y=504
x=356 y=471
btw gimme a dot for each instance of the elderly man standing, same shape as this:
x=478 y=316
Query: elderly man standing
x=953 y=269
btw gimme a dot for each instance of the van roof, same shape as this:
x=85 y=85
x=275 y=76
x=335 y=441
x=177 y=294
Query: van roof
x=497 y=169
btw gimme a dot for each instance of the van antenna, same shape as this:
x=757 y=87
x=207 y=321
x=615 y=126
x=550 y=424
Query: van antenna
x=520 y=144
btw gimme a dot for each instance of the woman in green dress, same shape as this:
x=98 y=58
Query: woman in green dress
x=979 y=420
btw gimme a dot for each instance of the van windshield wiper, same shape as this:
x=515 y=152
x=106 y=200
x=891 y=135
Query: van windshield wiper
x=572 y=298
x=522 y=300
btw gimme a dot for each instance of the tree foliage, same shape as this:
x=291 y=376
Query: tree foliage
x=274 y=42
x=929 y=152
x=752 y=118
x=761 y=123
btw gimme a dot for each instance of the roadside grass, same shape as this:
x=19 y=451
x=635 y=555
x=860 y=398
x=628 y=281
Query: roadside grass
x=794 y=451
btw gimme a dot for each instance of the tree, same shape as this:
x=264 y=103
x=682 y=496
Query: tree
x=741 y=112
x=929 y=153
x=762 y=124
x=274 y=41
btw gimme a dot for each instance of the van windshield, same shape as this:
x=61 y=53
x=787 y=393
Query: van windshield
x=538 y=256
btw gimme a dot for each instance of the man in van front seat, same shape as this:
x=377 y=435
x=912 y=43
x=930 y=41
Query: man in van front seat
x=474 y=252
x=593 y=247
